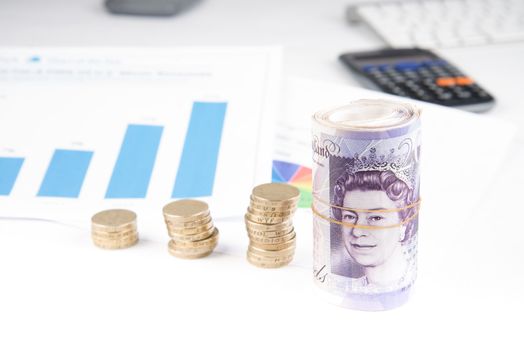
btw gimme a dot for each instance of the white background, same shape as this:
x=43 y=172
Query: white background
x=58 y=291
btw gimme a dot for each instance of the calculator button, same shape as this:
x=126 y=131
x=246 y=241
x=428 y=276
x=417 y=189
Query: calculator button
x=425 y=73
x=454 y=71
x=445 y=81
x=410 y=82
x=445 y=96
x=407 y=66
x=389 y=69
x=425 y=98
x=463 y=80
x=411 y=75
x=384 y=82
x=433 y=63
x=437 y=89
x=378 y=75
x=464 y=95
x=399 y=91
x=419 y=93
x=372 y=70
x=399 y=79
x=439 y=71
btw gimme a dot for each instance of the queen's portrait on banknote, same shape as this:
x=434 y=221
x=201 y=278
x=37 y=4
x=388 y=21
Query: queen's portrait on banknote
x=376 y=222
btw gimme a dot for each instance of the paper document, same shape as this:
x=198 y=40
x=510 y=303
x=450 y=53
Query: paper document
x=87 y=129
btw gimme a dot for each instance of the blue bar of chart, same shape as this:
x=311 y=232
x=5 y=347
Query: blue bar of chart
x=197 y=167
x=65 y=174
x=134 y=166
x=9 y=169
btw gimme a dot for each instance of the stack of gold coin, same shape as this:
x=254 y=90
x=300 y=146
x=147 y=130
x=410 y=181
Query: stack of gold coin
x=114 y=229
x=269 y=225
x=191 y=229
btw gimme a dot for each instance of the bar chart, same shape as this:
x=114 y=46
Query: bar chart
x=132 y=172
x=89 y=129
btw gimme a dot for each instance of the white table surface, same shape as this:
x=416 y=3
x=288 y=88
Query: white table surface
x=57 y=291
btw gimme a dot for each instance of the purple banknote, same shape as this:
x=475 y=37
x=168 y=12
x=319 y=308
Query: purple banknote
x=366 y=202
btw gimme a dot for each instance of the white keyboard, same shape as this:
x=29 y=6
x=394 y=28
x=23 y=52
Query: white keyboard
x=444 y=23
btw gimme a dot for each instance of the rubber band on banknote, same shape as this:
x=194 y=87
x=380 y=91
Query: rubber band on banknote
x=357 y=210
x=367 y=227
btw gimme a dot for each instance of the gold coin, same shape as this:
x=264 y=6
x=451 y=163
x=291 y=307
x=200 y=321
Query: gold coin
x=271 y=240
x=112 y=229
x=275 y=193
x=189 y=224
x=113 y=220
x=271 y=214
x=266 y=265
x=192 y=238
x=269 y=234
x=272 y=209
x=115 y=244
x=273 y=263
x=275 y=247
x=270 y=261
x=176 y=246
x=189 y=256
x=261 y=219
x=251 y=225
x=192 y=230
x=257 y=204
x=118 y=241
x=203 y=243
x=114 y=235
x=185 y=210
x=271 y=253
x=271 y=258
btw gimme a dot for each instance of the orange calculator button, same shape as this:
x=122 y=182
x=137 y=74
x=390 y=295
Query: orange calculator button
x=464 y=80
x=445 y=81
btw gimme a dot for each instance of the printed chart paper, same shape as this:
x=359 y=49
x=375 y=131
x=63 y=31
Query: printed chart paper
x=82 y=130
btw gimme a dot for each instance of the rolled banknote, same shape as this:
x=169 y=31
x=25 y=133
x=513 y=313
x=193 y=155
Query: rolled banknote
x=366 y=202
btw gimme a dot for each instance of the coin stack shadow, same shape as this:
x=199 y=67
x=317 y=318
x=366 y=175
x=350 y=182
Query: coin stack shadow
x=269 y=225
x=190 y=226
x=114 y=229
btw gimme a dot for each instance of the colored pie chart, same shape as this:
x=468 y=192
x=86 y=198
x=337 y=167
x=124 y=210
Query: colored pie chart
x=296 y=175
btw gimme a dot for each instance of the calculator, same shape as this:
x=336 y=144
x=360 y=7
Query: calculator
x=419 y=74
